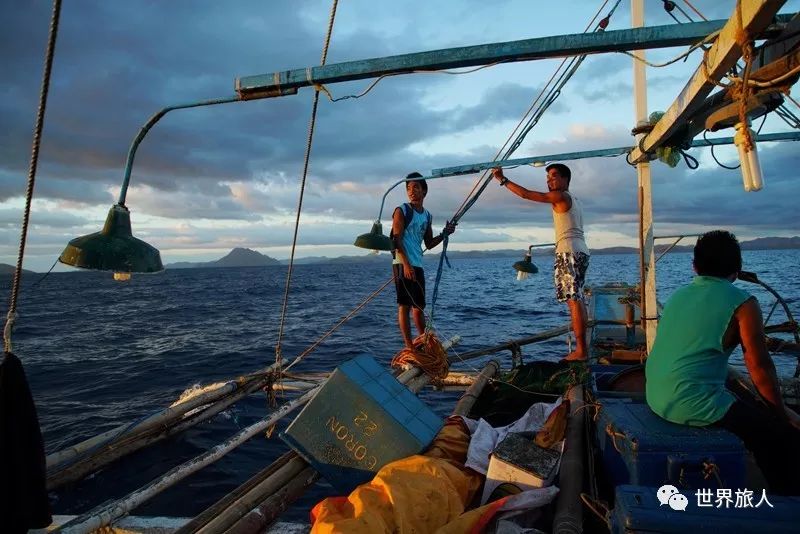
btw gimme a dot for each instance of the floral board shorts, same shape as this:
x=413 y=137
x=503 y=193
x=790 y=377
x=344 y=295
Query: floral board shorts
x=570 y=274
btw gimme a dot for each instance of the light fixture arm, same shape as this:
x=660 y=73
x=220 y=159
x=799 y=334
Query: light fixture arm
x=149 y=124
x=426 y=178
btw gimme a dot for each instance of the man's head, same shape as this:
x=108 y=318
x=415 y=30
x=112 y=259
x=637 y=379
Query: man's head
x=416 y=189
x=558 y=177
x=717 y=253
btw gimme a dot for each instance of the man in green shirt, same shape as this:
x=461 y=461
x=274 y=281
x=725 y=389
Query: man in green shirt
x=687 y=368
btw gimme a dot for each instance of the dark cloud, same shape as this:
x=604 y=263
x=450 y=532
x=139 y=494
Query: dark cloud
x=118 y=63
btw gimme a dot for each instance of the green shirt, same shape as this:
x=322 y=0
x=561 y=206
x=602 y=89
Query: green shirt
x=687 y=367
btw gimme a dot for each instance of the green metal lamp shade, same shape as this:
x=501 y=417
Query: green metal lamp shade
x=374 y=240
x=113 y=248
x=526 y=265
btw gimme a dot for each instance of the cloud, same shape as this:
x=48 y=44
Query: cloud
x=221 y=175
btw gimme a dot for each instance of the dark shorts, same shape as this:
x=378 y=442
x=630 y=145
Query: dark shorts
x=409 y=292
x=569 y=275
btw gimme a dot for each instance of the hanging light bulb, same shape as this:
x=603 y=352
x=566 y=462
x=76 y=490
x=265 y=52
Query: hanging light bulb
x=751 y=166
x=525 y=266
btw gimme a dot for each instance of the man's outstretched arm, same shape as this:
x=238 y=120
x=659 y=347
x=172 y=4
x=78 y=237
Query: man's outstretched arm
x=551 y=197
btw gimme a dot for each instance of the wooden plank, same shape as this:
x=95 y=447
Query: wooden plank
x=756 y=16
x=485 y=54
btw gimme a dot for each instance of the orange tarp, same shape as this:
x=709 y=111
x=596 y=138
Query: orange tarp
x=418 y=494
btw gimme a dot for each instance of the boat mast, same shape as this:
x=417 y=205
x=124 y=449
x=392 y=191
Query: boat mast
x=647 y=262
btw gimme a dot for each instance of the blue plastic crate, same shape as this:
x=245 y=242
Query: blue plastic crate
x=361 y=419
x=638 y=511
x=638 y=447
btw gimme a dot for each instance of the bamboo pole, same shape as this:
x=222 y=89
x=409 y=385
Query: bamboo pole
x=107 y=513
x=267 y=512
x=467 y=401
x=133 y=442
x=258 y=494
x=510 y=345
x=218 y=507
x=160 y=418
x=568 y=517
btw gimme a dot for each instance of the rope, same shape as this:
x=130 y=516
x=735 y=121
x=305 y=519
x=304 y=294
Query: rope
x=468 y=202
x=340 y=323
x=278 y=355
x=688 y=3
x=614 y=435
x=37 y=136
x=711 y=469
x=700 y=44
x=483 y=181
x=743 y=89
x=427 y=354
x=604 y=514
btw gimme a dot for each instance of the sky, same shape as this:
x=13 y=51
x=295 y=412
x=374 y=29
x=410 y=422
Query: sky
x=206 y=180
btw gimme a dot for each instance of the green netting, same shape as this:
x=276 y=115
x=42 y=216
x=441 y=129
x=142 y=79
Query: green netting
x=506 y=399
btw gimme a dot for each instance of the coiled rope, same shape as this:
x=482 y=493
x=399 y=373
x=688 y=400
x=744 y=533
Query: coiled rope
x=37 y=136
x=428 y=354
x=278 y=354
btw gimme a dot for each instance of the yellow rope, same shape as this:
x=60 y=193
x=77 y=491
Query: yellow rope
x=428 y=354
x=742 y=90
x=614 y=435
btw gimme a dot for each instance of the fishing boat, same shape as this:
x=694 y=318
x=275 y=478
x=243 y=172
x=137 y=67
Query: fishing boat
x=606 y=454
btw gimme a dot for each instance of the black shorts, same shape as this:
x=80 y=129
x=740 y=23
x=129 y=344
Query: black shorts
x=409 y=292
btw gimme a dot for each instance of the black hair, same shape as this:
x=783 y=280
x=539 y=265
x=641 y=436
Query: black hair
x=562 y=169
x=422 y=183
x=717 y=253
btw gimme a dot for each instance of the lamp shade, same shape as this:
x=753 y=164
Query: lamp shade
x=526 y=265
x=374 y=240
x=113 y=248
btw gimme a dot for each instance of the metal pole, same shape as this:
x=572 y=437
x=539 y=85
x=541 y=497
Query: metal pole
x=146 y=128
x=648 y=282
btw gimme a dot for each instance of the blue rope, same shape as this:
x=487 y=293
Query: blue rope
x=442 y=260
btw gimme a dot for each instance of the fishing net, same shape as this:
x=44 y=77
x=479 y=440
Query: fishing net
x=505 y=400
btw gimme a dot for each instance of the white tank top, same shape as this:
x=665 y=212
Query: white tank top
x=569 y=229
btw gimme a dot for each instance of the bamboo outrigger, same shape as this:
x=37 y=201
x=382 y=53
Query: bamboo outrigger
x=256 y=504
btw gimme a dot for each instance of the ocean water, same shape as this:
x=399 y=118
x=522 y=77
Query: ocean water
x=100 y=353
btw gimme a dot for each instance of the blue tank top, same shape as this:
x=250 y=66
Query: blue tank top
x=413 y=237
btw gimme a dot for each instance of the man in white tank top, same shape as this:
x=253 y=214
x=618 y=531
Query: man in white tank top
x=571 y=254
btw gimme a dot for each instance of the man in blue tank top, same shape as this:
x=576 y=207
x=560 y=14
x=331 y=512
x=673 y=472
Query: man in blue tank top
x=687 y=368
x=411 y=227
x=571 y=254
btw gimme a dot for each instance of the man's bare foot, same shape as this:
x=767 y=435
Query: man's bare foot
x=575 y=356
